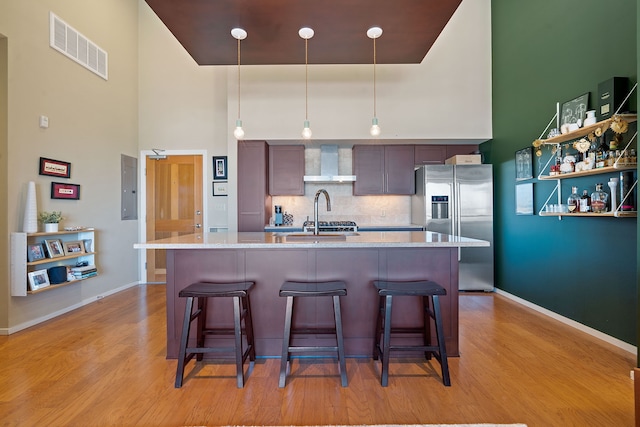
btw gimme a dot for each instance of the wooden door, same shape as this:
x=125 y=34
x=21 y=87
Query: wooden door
x=174 y=204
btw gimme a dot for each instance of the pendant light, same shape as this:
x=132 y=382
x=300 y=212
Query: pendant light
x=306 y=33
x=238 y=34
x=373 y=33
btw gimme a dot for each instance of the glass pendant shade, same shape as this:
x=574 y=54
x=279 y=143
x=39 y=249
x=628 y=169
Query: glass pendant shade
x=375 y=129
x=238 y=132
x=306 y=132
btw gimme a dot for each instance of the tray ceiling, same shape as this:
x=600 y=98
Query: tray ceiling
x=203 y=27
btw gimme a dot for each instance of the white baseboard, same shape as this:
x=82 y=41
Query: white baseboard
x=25 y=325
x=593 y=332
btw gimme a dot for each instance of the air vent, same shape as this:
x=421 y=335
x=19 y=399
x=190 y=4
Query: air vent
x=66 y=40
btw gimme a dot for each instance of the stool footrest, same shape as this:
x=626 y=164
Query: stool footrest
x=314 y=331
x=311 y=348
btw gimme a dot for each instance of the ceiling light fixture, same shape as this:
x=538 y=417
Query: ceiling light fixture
x=306 y=33
x=238 y=34
x=374 y=33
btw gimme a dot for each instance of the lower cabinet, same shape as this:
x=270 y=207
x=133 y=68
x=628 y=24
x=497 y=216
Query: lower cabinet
x=45 y=261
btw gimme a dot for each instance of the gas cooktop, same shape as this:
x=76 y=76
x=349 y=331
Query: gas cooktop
x=331 y=226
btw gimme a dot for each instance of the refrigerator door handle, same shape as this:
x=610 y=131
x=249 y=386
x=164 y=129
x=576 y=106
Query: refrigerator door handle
x=457 y=220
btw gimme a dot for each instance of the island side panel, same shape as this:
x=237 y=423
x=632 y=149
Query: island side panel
x=269 y=268
x=187 y=266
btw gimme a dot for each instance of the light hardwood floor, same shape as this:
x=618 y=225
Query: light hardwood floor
x=104 y=365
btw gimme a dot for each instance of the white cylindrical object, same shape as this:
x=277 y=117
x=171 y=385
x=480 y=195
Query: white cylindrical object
x=30 y=224
x=613 y=184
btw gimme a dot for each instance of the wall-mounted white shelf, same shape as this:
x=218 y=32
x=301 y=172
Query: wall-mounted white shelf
x=20 y=267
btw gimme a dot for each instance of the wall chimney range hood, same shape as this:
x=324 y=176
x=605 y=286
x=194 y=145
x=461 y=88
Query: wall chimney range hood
x=329 y=167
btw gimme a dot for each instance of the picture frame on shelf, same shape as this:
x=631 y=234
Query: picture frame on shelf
x=524 y=164
x=75 y=247
x=35 y=252
x=524 y=199
x=220 y=167
x=61 y=190
x=220 y=188
x=38 y=279
x=56 y=168
x=54 y=248
x=574 y=110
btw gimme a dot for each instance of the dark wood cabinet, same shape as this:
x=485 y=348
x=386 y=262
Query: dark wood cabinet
x=429 y=154
x=286 y=170
x=383 y=169
x=254 y=201
x=437 y=154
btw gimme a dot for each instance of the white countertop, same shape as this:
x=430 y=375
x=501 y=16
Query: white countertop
x=254 y=240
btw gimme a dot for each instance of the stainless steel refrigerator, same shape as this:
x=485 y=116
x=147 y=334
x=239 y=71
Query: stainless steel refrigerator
x=458 y=200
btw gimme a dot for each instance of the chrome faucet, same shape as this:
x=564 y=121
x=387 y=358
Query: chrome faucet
x=315 y=208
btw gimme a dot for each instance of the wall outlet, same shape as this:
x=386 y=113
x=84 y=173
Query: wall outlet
x=383 y=213
x=44 y=122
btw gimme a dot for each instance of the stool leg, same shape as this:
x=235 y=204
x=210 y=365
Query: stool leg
x=237 y=332
x=339 y=338
x=248 y=326
x=285 y=343
x=378 y=333
x=386 y=341
x=427 y=326
x=186 y=326
x=444 y=364
x=201 y=325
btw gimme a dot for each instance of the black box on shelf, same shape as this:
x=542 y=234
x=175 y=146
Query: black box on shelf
x=611 y=94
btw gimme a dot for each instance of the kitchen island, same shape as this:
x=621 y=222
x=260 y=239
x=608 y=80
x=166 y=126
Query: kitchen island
x=269 y=259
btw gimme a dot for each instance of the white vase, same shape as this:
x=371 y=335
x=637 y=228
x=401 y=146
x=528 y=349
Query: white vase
x=30 y=224
x=51 y=228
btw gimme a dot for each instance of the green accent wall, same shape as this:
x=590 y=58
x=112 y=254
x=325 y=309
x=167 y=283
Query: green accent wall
x=545 y=52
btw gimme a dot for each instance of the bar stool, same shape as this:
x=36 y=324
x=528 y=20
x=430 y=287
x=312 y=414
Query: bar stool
x=239 y=291
x=334 y=289
x=428 y=290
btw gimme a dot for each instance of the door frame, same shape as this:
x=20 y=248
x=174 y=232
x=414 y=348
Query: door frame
x=142 y=199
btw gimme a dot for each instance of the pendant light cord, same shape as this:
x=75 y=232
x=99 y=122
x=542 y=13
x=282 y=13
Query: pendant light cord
x=238 y=79
x=374 y=78
x=306 y=80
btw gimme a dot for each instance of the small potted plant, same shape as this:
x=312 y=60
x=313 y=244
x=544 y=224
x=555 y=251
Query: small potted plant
x=50 y=220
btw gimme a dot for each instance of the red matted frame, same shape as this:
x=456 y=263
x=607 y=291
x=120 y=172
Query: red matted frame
x=55 y=168
x=60 y=190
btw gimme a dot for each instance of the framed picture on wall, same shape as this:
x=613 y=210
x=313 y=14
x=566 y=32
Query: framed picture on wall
x=220 y=167
x=574 y=110
x=524 y=164
x=524 y=199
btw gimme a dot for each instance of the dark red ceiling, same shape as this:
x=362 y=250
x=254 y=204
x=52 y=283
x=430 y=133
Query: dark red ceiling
x=203 y=27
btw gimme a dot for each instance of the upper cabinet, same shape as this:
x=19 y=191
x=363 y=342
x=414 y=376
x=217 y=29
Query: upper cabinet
x=286 y=170
x=254 y=203
x=437 y=154
x=383 y=169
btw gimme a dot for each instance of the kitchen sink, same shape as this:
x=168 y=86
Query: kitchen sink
x=316 y=237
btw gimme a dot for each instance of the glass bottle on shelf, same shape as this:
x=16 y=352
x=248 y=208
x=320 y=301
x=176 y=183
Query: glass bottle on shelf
x=585 y=202
x=573 y=201
x=599 y=200
x=601 y=154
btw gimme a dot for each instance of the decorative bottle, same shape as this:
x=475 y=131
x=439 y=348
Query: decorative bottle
x=573 y=201
x=627 y=191
x=599 y=200
x=585 y=202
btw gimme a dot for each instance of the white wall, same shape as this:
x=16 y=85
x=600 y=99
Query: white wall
x=91 y=123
